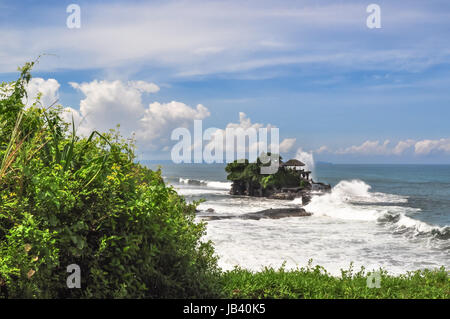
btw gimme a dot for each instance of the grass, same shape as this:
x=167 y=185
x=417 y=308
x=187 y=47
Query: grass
x=316 y=283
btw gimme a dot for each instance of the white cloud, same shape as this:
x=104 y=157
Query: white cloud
x=322 y=149
x=159 y=120
x=287 y=144
x=80 y=125
x=246 y=123
x=108 y=103
x=426 y=147
x=48 y=89
x=255 y=147
x=408 y=146
x=144 y=86
x=423 y=147
x=367 y=148
x=307 y=158
x=402 y=146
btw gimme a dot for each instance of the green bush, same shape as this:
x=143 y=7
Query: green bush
x=66 y=199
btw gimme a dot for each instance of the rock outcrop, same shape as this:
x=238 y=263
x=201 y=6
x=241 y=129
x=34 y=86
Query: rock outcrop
x=290 y=181
x=284 y=193
x=267 y=213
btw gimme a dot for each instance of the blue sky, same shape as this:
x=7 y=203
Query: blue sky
x=312 y=68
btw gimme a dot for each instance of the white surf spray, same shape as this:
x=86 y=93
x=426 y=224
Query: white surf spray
x=353 y=200
x=340 y=202
x=206 y=183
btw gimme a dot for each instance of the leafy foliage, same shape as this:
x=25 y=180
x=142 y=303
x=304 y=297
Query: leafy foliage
x=243 y=171
x=66 y=199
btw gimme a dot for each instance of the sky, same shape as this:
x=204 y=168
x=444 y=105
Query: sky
x=313 y=68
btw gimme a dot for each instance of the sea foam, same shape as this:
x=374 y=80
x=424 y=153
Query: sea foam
x=353 y=200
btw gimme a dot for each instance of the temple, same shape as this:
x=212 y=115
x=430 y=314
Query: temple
x=296 y=165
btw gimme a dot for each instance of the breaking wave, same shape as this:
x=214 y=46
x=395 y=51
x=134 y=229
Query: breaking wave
x=353 y=200
x=210 y=184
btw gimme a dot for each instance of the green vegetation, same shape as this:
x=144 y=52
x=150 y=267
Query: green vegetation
x=247 y=175
x=66 y=199
x=315 y=282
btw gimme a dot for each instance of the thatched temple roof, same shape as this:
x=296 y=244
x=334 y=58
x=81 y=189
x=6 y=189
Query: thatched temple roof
x=293 y=162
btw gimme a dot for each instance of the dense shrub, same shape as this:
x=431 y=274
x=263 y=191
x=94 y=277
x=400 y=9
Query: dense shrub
x=66 y=199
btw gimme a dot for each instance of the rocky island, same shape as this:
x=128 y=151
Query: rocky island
x=289 y=182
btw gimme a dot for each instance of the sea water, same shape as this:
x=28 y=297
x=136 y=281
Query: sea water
x=391 y=216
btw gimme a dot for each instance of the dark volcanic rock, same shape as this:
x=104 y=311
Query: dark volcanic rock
x=306 y=198
x=287 y=195
x=238 y=188
x=317 y=186
x=267 y=213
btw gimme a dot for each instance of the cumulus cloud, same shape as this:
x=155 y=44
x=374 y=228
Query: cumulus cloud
x=408 y=146
x=47 y=88
x=255 y=142
x=308 y=159
x=368 y=148
x=426 y=147
x=159 y=120
x=245 y=125
x=322 y=149
x=402 y=146
x=287 y=144
x=108 y=103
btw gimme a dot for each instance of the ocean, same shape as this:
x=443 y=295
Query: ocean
x=392 y=216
